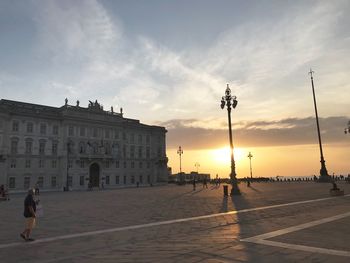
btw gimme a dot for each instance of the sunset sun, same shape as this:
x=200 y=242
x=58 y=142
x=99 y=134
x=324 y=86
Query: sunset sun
x=223 y=155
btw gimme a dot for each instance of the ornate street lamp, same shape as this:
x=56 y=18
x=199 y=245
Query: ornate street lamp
x=324 y=177
x=347 y=130
x=231 y=102
x=180 y=152
x=250 y=161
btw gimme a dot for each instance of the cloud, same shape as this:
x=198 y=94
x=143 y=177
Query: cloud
x=86 y=51
x=291 y=131
x=75 y=31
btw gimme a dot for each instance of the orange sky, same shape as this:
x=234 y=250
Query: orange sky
x=296 y=160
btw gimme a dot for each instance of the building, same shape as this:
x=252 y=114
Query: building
x=77 y=147
x=183 y=177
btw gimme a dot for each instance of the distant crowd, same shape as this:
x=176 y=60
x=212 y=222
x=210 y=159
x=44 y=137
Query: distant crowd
x=218 y=181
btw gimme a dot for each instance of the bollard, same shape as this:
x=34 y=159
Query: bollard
x=225 y=190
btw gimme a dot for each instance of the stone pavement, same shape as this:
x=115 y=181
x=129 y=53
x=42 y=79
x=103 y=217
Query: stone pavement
x=175 y=224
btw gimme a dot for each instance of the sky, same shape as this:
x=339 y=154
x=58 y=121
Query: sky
x=168 y=63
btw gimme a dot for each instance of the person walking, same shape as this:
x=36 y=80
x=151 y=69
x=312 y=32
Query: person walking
x=37 y=192
x=205 y=184
x=30 y=216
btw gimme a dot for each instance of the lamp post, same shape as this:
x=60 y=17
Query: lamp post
x=180 y=152
x=197 y=165
x=231 y=102
x=250 y=162
x=324 y=177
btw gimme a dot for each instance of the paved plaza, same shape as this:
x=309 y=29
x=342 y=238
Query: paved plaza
x=269 y=222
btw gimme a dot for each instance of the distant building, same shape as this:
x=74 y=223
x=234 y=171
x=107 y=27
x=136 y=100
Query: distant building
x=189 y=177
x=77 y=146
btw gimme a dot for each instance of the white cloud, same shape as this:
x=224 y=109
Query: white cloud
x=265 y=63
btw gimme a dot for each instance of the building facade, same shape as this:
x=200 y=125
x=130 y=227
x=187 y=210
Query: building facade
x=77 y=147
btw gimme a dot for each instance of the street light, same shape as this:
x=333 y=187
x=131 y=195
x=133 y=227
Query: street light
x=324 y=177
x=197 y=165
x=231 y=101
x=250 y=161
x=180 y=152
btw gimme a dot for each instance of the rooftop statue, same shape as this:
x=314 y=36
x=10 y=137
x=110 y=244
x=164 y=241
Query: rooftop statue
x=95 y=105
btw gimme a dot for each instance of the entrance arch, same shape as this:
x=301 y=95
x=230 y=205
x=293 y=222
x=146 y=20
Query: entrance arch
x=94 y=175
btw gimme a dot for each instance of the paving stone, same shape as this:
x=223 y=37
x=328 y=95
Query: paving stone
x=213 y=239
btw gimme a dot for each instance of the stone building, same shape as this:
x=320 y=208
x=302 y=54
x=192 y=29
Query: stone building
x=77 y=147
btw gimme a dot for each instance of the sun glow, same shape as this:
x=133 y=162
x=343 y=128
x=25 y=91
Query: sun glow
x=223 y=155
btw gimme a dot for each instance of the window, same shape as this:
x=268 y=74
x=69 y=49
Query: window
x=55 y=130
x=15 y=125
x=13 y=163
x=54 y=148
x=141 y=179
x=12 y=182
x=29 y=127
x=82 y=164
x=124 y=179
x=107 y=134
x=132 y=138
x=124 y=136
x=124 y=151
x=148 y=178
x=70 y=131
x=54 y=163
x=42 y=147
x=132 y=164
x=82 y=148
x=40 y=181
x=107 y=164
x=117 y=179
x=28 y=163
x=159 y=152
x=26 y=183
x=148 y=152
x=94 y=132
x=124 y=164
x=53 y=181
x=147 y=139
x=140 y=151
x=42 y=128
x=82 y=180
x=14 y=145
x=70 y=180
x=148 y=165
x=82 y=131
x=107 y=179
x=116 y=134
x=117 y=164
x=140 y=164
x=132 y=151
x=29 y=146
x=70 y=164
x=41 y=163
x=132 y=179
x=140 y=139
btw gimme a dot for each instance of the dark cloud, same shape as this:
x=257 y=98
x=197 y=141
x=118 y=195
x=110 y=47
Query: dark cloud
x=291 y=131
